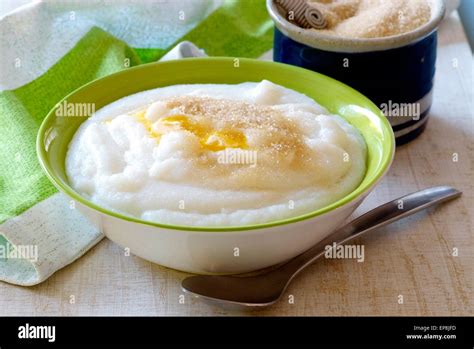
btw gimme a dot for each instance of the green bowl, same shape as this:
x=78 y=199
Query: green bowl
x=56 y=132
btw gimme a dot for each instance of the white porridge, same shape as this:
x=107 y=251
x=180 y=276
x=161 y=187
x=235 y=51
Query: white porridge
x=215 y=155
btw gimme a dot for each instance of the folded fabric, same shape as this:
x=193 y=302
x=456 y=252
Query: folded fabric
x=40 y=229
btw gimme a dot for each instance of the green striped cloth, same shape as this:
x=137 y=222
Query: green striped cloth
x=236 y=28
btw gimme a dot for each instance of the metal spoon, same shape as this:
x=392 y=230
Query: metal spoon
x=265 y=289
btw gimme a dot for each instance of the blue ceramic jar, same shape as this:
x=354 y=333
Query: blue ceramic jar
x=396 y=72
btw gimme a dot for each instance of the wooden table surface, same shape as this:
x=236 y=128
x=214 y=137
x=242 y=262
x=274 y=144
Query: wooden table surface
x=427 y=259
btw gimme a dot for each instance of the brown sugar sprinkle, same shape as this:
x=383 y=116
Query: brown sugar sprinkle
x=280 y=135
x=232 y=113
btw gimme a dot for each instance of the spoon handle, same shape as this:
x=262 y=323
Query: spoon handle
x=378 y=217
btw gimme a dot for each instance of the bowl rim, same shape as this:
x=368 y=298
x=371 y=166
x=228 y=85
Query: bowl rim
x=386 y=159
x=334 y=43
